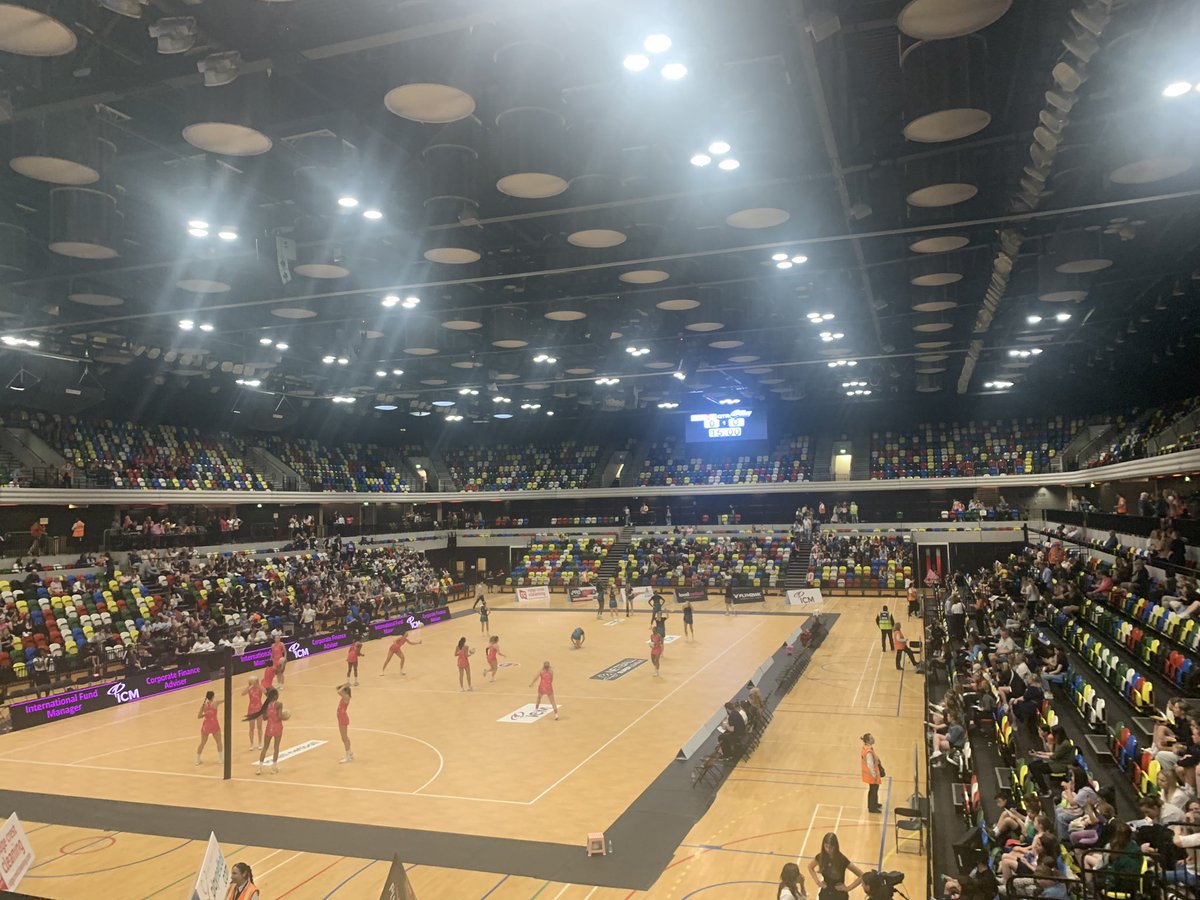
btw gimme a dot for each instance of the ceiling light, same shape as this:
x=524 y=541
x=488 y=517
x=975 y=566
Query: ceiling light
x=420 y=413
x=549 y=412
x=328 y=360
x=390 y=300
x=265 y=341
x=679 y=374
x=227 y=234
x=728 y=164
x=206 y=326
x=1033 y=320
x=637 y=351
x=380 y=373
x=607 y=382
x=198 y=223
x=198 y=232
x=997 y=385
x=1062 y=317
x=281 y=346
x=666 y=404
x=1036 y=351
x=531 y=406
x=701 y=159
x=828 y=336
x=347 y=202
x=454 y=418
x=342 y=361
x=657 y=43
x=342 y=399
x=800 y=259
x=386 y=407
x=19 y=342
x=186 y=324
x=410 y=302
x=728 y=401
x=636 y=62
x=468 y=392
x=1177 y=89
x=778 y=257
x=501 y=399
x=502 y=415
x=249 y=382
x=838 y=363
x=373 y=214
x=397 y=372
x=674 y=71
x=443 y=403
x=545 y=358
x=719 y=148
x=784 y=264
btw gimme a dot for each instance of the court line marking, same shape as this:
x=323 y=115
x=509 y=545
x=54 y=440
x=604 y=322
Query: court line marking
x=73 y=734
x=349 y=879
x=875 y=680
x=311 y=877
x=189 y=874
x=136 y=862
x=808 y=833
x=663 y=700
x=399 y=690
x=280 y=866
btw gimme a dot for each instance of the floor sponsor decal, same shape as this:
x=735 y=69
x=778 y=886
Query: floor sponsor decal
x=617 y=669
x=527 y=714
x=297 y=750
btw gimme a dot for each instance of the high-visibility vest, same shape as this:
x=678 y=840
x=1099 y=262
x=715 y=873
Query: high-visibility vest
x=885 y=620
x=870 y=771
x=898 y=640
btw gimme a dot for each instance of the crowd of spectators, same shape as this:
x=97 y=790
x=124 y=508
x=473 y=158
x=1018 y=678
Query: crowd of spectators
x=199 y=603
x=695 y=560
x=1062 y=827
x=670 y=462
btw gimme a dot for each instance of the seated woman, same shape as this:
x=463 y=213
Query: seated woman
x=952 y=741
x=1015 y=826
x=1022 y=860
x=1119 y=865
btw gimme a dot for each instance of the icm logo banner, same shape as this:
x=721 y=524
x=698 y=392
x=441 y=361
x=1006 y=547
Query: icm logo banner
x=527 y=714
x=298 y=651
x=123 y=695
x=617 y=669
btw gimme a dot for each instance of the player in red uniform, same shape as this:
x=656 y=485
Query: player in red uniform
x=352 y=657
x=343 y=720
x=279 y=658
x=656 y=649
x=493 y=651
x=254 y=691
x=269 y=673
x=273 y=711
x=463 y=653
x=545 y=680
x=208 y=716
x=397 y=649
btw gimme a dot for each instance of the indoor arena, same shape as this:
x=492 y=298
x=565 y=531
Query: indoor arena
x=538 y=450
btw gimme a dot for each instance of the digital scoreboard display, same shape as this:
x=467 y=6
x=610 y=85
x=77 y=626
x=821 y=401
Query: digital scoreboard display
x=725 y=425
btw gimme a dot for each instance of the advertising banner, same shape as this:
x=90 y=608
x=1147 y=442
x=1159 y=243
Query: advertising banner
x=695 y=594
x=534 y=592
x=583 y=594
x=804 y=596
x=212 y=883
x=16 y=854
x=747 y=595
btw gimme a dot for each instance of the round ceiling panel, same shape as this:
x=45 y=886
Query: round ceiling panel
x=931 y=345
x=531 y=185
x=725 y=345
x=466 y=364
x=203 y=286
x=597 y=238
x=943 y=244
x=932 y=327
x=54 y=170
x=1083 y=266
x=88 y=299
x=644 y=276
x=937 y=20
x=933 y=306
x=462 y=324
x=507 y=376
x=947 y=125
x=1075 y=296
x=660 y=365
x=452 y=256
x=933 y=357
x=566 y=315
x=27 y=32
x=1150 y=170
x=758 y=217
x=227 y=139
x=433 y=104
x=580 y=370
x=939 y=195
x=293 y=312
x=704 y=326
x=937 y=279
x=421 y=351
x=745 y=358
x=677 y=305
x=510 y=344
x=321 y=270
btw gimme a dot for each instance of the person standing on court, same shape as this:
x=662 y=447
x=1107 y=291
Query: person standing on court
x=902 y=648
x=872 y=772
x=242 y=885
x=886 y=623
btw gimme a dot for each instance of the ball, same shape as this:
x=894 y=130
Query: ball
x=286 y=715
x=471 y=652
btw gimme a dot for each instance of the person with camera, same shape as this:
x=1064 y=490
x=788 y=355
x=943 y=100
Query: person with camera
x=828 y=868
x=872 y=772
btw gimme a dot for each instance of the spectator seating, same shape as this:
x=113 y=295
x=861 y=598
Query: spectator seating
x=881 y=562
x=67 y=613
x=970 y=449
x=359 y=468
x=155 y=457
x=586 y=520
x=508 y=467
x=558 y=559
x=668 y=462
x=702 y=559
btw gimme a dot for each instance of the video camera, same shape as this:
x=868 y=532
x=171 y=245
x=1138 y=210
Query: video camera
x=883 y=885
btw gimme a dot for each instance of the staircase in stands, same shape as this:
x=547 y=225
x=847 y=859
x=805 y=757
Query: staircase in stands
x=620 y=547
x=796 y=574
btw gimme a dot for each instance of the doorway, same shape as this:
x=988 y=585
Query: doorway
x=841 y=466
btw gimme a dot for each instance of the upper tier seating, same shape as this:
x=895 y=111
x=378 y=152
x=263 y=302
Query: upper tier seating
x=671 y=462
x=703 y=559
x=1130 y=442
x=361 y=468
x=509 y=467
x=559 y=559
x=164 y=457
x=947 y=450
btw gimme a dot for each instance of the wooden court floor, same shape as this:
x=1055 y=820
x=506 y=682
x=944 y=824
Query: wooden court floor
x=433 y=758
